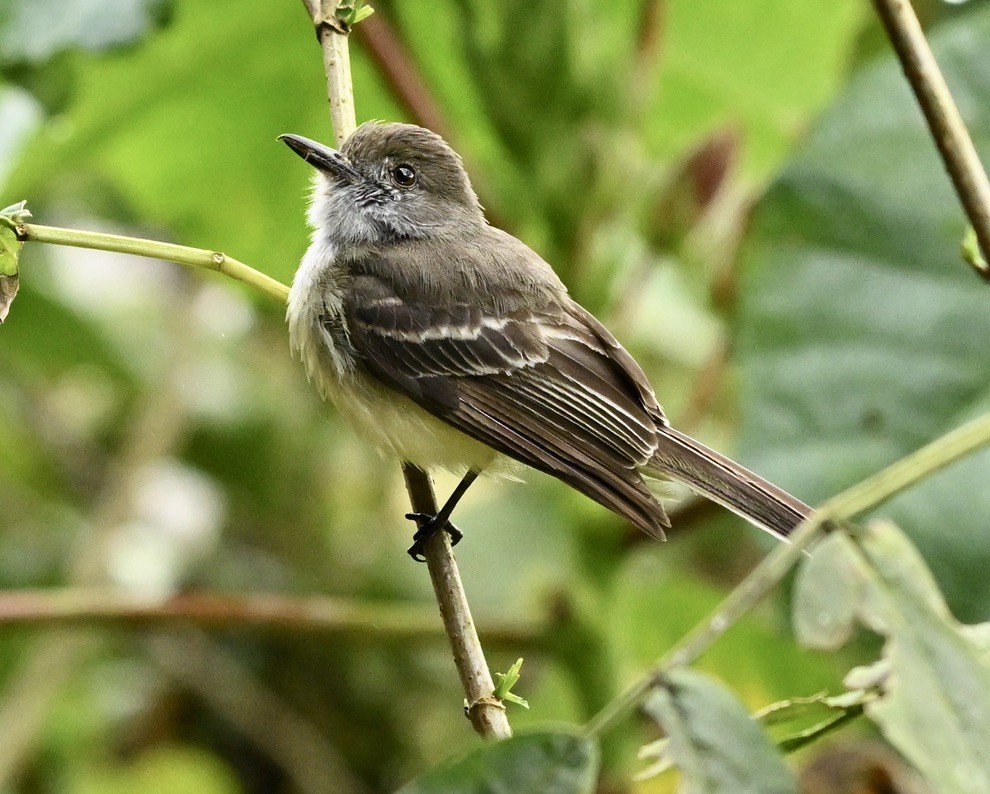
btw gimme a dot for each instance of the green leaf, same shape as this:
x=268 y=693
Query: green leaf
x=10 y=249
x=714 y=741
x=935 y=677
x=936 y=709
x=34 y=32
x=795 y=722
x=362 y=13
x=504 y=683
x=536 y=763
x=826 y=596
x=861 y=334
x=353 y=11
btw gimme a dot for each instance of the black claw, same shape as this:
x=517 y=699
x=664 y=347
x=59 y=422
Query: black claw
x=427 y=529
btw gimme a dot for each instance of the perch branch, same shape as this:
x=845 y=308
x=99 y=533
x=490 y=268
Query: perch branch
x=487 y=714
x=946 y=125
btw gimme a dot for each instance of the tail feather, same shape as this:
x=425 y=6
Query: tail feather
x=682 y=458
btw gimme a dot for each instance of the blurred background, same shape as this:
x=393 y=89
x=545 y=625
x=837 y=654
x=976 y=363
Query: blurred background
x=744 y=192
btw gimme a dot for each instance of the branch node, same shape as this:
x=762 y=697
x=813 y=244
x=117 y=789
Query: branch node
x=482 y=703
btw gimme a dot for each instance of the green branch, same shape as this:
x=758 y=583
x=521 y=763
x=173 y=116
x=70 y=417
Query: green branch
x=768 y=574
x=180 y=254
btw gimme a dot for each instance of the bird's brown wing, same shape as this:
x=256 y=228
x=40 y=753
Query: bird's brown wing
x=539 y=384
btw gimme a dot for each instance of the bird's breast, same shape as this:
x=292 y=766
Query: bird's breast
x=319 y=336
x=317 y=326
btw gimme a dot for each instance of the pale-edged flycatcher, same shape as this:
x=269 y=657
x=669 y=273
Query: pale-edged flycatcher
x=449 y=343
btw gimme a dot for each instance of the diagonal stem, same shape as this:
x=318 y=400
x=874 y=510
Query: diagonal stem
x=487 y=714
x=861 y=497
x=946 y=125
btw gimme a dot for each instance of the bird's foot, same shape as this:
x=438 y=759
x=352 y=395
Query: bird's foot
x=428 y=527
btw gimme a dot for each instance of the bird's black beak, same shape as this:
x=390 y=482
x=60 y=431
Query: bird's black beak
x=328 y=160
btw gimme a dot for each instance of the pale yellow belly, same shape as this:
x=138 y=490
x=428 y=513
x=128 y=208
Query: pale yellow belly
x=399 y=427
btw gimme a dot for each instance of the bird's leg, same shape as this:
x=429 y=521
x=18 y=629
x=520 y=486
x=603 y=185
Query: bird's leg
x=430 y=525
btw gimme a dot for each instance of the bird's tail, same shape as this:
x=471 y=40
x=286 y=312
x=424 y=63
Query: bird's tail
x=681 y=458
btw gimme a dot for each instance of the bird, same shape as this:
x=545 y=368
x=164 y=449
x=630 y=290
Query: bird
x=449 y=343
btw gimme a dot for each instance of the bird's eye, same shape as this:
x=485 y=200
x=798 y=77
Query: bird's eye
x=404 y=176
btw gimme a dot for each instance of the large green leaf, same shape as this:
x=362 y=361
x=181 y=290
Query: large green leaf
x=862 y=334
x=536 y=763
x=934 y=677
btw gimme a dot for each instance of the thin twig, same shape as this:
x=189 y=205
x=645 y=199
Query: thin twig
x=486 y=713
x=947 y=127
x=332 y=32
x=180 y=254
x=861 y=497
x=358 y=620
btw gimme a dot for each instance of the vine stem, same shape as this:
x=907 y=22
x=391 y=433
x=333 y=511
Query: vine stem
x=861 y=497
x=947 y=128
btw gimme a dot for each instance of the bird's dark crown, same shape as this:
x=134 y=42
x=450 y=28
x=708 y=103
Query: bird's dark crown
x=375 y=149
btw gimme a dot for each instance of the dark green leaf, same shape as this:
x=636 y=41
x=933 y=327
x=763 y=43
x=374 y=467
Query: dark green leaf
x=713 y=740
x=862 y=335
x=536 y=763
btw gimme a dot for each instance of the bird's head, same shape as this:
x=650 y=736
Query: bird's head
x=388 y=182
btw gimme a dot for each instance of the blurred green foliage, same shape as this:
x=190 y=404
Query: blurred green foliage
x=155 y=435
x=861 y=331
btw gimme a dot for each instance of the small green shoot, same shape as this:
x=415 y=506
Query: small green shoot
x=972 y=254
x=504 y=683
x=350 y=12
